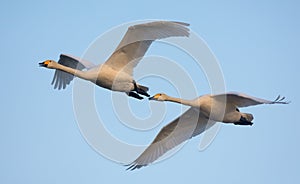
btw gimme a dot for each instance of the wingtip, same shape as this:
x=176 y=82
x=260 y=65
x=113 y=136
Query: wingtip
x=181 y=23
x=130 y=167
x=280 y=100
x=133 y=166
x=277 y=98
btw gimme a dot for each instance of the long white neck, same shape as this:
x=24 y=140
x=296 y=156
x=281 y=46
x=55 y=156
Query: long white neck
x=75 y=72
x=181 y=101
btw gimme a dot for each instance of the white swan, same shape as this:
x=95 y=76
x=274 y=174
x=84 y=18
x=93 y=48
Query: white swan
x=201 y=116
x=117 y=72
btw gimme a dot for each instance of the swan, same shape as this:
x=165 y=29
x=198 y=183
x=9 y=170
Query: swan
x=116 y=73
x=202 y=115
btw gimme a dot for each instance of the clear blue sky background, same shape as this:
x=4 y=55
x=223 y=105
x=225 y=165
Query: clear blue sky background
x=256 y=43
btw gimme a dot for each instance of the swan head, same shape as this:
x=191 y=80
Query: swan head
x=159 y=97
x=47 y=64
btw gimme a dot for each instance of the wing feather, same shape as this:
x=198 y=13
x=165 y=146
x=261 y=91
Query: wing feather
x=61 y=79
x=188 y=125
x=138 y=39
x=243 y=100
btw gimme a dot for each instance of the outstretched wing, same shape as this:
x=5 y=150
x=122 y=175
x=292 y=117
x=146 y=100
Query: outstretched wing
x=189 y=124
x=243 y=100
x=61 y=79
x=138 y=39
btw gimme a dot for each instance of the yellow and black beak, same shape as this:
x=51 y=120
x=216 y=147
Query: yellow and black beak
x=155 y=97
x=45 y=63
x=151 y=98
x=42 y=64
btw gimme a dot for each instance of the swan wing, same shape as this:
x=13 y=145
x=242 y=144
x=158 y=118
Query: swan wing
x=61 y=79
x=243 y=100
x=138 y=39
x=189 y=124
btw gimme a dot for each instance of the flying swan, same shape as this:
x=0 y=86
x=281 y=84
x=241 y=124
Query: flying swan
x=116 y=73
x=205 y=111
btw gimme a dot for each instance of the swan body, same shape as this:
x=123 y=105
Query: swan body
x=204 y=112
x=116 y=73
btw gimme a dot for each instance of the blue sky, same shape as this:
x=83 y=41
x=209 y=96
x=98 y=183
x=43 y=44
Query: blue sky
x=255 y=42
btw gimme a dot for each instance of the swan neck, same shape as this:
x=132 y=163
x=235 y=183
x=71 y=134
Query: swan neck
x=75 y=72
x=181 y=101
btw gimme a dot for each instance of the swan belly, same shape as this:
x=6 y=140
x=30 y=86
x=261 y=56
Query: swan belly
x=225 y=113
x=210 y=108
x=114 y=80
x=219 y=111
x=214 y=112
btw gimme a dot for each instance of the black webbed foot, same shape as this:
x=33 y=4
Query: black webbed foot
x=135 y=95
x=243 y=121
x=140 y=90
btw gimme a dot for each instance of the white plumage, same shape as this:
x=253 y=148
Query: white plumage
x=205 y=111
x=117 y=72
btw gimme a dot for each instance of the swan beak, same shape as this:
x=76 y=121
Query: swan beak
x=151 y=98
x=42 y=64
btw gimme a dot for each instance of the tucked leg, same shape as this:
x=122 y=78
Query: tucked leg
x=243 y=121
x=140 y=90
x=134 y=95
